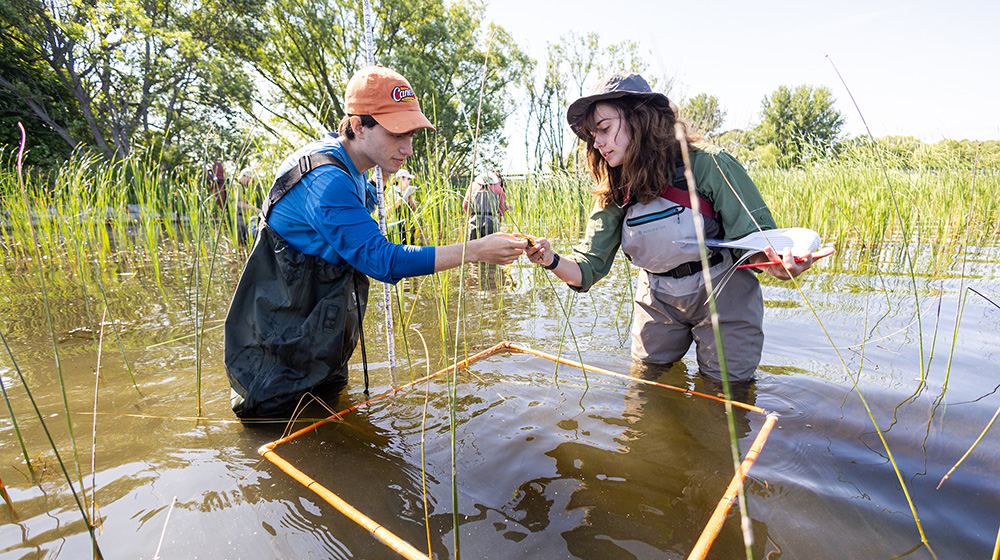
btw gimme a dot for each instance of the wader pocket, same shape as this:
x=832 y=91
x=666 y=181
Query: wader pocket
x=331 y=318
x=647 y=218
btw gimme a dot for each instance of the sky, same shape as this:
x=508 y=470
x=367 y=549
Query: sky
x=914 y=68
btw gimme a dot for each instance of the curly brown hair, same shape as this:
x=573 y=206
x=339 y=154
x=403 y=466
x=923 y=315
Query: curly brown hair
x=651 y=156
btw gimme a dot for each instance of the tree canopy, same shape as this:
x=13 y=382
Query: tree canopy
x=190 y=80
x=704 y=114
x=314 y=47
x=184 y=77
x=572 y=61
x=138 y=72
x=794 y=120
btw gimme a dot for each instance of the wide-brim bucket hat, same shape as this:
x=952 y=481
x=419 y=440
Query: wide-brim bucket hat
x=614 y=86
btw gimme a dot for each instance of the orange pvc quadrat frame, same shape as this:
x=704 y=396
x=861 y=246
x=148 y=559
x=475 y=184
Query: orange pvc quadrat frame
x=410 y=552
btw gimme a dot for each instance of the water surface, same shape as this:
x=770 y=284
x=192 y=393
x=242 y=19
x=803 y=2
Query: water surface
x=540 y=462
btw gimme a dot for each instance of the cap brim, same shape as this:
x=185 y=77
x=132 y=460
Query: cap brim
x=579 y=108
x=402 y=122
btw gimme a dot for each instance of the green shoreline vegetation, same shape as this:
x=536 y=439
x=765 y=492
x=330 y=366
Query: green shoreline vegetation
x=133 y=213
x=98 y=224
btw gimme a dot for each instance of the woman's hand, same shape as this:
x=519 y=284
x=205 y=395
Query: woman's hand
x=497 y=248
x=539 y=251
x=789 y=266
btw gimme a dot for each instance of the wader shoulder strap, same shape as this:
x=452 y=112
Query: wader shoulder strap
x=290 y=178
x=677 y=192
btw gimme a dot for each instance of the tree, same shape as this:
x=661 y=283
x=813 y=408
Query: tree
x=147 y=71
x=795 y=121
x=704 y=114
x=314 y=47
x=545 y=109
x=21 y=102
x=575 y=60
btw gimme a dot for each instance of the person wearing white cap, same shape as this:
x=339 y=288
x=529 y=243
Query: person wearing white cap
x=642 y=205
x=296 y=316
x=403 y=229
x=405 y=187
x=485 y=203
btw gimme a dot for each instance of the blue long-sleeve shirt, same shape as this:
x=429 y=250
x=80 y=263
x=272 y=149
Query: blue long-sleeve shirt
x=328 y=214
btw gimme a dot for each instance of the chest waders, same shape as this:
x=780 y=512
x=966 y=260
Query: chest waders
x=660 y=236
x=670 y=312
x=484 y=210
x=294 y=320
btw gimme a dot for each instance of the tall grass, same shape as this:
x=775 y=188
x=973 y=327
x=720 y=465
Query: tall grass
x=847 y=201
x=130 y=215
x=94 y=219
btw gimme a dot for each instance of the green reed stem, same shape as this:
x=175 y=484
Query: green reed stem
x=201 y=326
x=988 y=424
x=93 y=449
x=48 y=312
x=871 y=415
x=453 y=378
x=899 y=217
x=734 y=447
x=55 y=450
x=13 y=421
x=855 y=381
x=566 y=315
x=114 y=325
x=974 y=444
x=961 y=282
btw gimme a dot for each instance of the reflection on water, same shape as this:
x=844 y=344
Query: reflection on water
x=613 y=469
x=548 y=464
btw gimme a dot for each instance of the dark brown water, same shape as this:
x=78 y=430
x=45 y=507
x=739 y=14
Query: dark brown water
x=539 y=463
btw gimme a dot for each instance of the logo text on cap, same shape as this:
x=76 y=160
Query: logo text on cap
x=403 y=93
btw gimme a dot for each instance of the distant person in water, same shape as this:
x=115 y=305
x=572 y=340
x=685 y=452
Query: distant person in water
x=216 y=177
x=485 y=203
x=404 y=211
x=296 y=316
x=642 y=205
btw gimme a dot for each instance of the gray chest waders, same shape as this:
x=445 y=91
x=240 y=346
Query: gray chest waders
x=661 y=236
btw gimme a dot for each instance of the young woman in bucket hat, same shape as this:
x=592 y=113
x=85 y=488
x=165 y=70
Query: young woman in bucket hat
x=642 y=206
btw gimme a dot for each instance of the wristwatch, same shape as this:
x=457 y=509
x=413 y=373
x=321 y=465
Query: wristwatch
x=555 y=262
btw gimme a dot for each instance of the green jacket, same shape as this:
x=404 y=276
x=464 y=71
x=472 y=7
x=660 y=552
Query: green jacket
x=596 y=253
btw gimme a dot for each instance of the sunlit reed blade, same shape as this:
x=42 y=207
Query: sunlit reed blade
x=156 y=555
x=55 y=450
x=48 y=316
x=974 y=444
x=93 y=448
x=699 y=227
x=916 y=296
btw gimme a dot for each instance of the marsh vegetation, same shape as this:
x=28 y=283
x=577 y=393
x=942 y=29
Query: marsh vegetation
x=880 y=362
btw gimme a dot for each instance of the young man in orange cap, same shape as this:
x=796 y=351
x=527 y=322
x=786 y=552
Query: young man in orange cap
x=296 y=316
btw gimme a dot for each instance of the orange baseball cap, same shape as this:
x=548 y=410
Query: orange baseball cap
x=387 y=97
